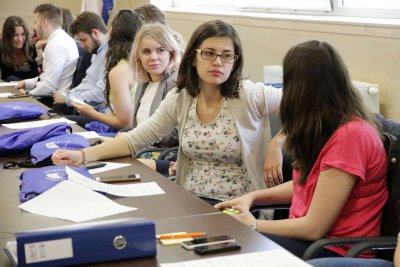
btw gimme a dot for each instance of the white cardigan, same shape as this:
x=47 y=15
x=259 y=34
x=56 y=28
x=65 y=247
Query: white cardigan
x=250 y=112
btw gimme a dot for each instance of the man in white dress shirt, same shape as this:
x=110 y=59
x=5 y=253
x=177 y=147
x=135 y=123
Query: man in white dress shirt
x=59 y=56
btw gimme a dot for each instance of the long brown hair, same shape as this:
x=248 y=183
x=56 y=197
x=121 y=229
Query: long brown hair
x=318 y=97
x=8 y=53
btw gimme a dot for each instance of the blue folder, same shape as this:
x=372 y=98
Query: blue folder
x=87 y=243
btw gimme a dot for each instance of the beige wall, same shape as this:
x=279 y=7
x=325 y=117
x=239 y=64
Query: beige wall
x=372 y=53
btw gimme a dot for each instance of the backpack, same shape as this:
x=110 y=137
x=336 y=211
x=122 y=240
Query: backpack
x=40 y=153
x=18 y=143
x=36 y=181
x=18 y=111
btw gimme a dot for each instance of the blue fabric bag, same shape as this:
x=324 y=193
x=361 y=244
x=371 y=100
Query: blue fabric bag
x=19 y=143
x=44 y=149
x=36 y=181
x=100 y=127
x=18 y=111
x=40 y=154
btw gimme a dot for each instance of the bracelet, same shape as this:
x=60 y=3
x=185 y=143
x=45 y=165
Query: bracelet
x=253 y=226
x=83 y=157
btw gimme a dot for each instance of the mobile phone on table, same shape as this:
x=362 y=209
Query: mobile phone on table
x=204 y=241
x=119 y=178
x=209 y=249
x=18 y=96
x=95 y=164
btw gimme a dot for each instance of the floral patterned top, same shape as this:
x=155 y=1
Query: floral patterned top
x=215 y=160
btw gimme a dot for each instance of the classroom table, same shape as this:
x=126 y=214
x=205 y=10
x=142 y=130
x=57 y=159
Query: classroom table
x=176 y=210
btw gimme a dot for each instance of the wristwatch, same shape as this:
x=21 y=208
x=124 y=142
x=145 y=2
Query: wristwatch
x=253 y=226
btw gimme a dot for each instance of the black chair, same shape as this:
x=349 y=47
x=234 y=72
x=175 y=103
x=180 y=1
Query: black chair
x=384 y=244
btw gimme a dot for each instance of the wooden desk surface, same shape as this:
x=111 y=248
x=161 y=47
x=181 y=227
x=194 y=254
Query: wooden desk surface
x=176 y=210
x=213 y=224
x=176 y=202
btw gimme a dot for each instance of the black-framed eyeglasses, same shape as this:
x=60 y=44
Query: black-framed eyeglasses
x=132 y=11
x=211 y=55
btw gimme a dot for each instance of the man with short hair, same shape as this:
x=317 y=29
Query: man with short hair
x=59 y=57
x=91 y=32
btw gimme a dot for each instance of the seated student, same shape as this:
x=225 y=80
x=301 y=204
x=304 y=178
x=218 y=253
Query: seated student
x=17 y=56
x=84 y=56
x=116 y=112
x=222 y=120
x=278 y=166
x=90 y=30
x=155 y=58
x=60 y=55
x=339 y=178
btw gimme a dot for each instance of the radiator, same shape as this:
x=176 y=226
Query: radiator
x=369 y=92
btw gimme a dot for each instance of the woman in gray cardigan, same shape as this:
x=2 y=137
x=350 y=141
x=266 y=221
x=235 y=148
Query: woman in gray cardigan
x=155 y=59
x=222 y=120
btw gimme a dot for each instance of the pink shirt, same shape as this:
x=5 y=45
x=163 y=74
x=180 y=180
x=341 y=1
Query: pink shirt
x=354 y=148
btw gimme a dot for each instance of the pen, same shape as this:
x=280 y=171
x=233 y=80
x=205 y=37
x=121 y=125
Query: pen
x=187 y=235
x=119 y=178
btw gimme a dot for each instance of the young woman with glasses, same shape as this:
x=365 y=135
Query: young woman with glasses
x=222 y=120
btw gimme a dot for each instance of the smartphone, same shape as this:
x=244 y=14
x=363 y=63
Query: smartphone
x=73 y=98
x=95 y=164
x=204 y=241
x=18 y=96
x=204 y=250
x=119 y=178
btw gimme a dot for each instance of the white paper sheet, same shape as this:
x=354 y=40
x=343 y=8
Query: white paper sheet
x=88 y=135
x=73 y=202
x=33 y=124
x=5 y=94
x=270 y=258
x=109 y=166
x=3 y=84
x=122 y=190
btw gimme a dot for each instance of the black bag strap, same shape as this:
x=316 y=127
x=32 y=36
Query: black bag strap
x=27 y=164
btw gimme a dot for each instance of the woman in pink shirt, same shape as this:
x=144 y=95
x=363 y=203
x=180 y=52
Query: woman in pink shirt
x=339 y=178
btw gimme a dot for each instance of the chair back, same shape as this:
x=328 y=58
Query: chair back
x=391 y=213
